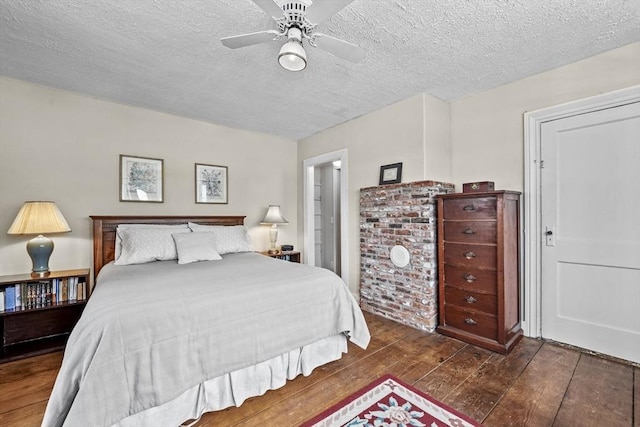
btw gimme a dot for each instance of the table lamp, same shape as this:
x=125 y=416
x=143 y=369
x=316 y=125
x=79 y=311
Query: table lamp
x=273 y=218
x=39 y=218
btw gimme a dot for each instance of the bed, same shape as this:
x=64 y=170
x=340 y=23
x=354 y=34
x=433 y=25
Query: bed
x=162 y=342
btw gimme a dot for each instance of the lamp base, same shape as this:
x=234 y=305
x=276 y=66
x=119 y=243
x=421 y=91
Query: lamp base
x=273 y=238
x=39 y=249
x=40 y=274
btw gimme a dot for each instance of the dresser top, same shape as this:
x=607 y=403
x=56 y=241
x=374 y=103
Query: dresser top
x=479 y=194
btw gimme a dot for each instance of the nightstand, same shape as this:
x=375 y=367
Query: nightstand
x=292 y=256
x=49 y=308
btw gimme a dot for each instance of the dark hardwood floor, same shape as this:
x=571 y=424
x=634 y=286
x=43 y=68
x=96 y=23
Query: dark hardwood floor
x=538 y=384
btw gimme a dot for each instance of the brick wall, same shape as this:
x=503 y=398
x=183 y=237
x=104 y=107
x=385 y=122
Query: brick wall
x=400 y=214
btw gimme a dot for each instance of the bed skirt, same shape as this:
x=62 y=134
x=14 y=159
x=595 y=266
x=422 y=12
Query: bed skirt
x=234 y=388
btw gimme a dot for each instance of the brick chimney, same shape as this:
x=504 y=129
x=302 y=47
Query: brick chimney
x=405 y=215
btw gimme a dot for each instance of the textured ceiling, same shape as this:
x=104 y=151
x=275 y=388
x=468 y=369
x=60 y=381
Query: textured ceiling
x=166 y=55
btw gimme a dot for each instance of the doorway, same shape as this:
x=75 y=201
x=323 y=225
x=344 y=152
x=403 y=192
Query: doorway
x=326 y=212
x=582 y=275
x=326 y=197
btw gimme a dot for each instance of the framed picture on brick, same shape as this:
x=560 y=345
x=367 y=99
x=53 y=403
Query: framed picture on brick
x=390 y=174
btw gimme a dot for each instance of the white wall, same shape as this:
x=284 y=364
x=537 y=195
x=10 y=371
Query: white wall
x=64 y=147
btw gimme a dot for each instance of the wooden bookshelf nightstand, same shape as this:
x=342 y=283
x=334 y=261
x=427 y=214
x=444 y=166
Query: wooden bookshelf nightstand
x=292 y=256
x=49 y=308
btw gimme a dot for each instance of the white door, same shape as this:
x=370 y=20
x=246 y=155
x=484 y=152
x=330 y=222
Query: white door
x=590 y=214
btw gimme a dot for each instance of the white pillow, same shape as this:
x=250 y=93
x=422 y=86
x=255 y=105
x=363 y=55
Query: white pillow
x=193 y=247
x=118 y=247
x=141 y=245
x=229 y=239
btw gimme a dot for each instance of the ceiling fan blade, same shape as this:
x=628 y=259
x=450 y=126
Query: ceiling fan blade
x=339 y=48
x=320 y=10
x=270 y=7
x=234 y=42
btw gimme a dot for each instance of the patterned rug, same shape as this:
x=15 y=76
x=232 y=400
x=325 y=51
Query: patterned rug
x=390 y=402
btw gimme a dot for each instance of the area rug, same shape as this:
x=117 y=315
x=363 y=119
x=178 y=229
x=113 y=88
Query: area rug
x=390 y=402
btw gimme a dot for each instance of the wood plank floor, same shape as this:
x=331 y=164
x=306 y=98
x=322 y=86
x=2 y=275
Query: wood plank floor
x=538 y=384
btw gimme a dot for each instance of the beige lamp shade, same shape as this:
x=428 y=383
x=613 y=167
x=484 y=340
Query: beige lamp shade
x=39 y=218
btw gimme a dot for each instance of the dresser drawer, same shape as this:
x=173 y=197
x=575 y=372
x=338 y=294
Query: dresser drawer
x=474 y=322
x=474 y=256
x=471 y=300
x=470 y=279
x=470 y=208
x=470 y=231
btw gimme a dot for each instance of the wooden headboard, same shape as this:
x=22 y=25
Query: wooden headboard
x=104 y=231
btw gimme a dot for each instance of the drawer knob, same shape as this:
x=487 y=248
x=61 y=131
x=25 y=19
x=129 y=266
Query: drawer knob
x=469 y=255
x=470 y=321
x=470 y=278
x=470 y=299
x=469 y=208
x=469 y=231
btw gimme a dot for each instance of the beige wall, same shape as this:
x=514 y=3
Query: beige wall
x=479 y=138
x=64 y=147
x=487 y=142
x=73 y=142
x=408 y=132
x=436 y=116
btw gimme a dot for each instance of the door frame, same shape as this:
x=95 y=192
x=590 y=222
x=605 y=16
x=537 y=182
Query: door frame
x=533 y=233
x=308 y=211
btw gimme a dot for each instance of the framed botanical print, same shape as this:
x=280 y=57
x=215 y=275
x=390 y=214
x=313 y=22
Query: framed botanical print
x=212 y=184
x=141 y=179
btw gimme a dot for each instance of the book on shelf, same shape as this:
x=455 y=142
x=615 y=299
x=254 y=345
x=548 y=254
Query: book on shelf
x=38 y=295
x=64 y=294
x=73 y=288
x=10 y=298
x=18 y=296
x=44 y=293
x=81 y=291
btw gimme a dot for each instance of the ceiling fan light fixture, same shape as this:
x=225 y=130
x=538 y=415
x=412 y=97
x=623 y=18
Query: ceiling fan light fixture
x=297 y=20
x=292 y=56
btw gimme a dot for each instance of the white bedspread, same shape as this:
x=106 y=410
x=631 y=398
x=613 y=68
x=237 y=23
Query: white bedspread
x=152 y=331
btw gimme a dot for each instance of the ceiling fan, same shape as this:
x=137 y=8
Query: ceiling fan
x=296 y=21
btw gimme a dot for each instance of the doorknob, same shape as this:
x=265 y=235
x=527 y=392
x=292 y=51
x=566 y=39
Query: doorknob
x=549 y=237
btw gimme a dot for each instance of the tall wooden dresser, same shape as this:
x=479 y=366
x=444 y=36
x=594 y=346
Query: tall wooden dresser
x=478 y=268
